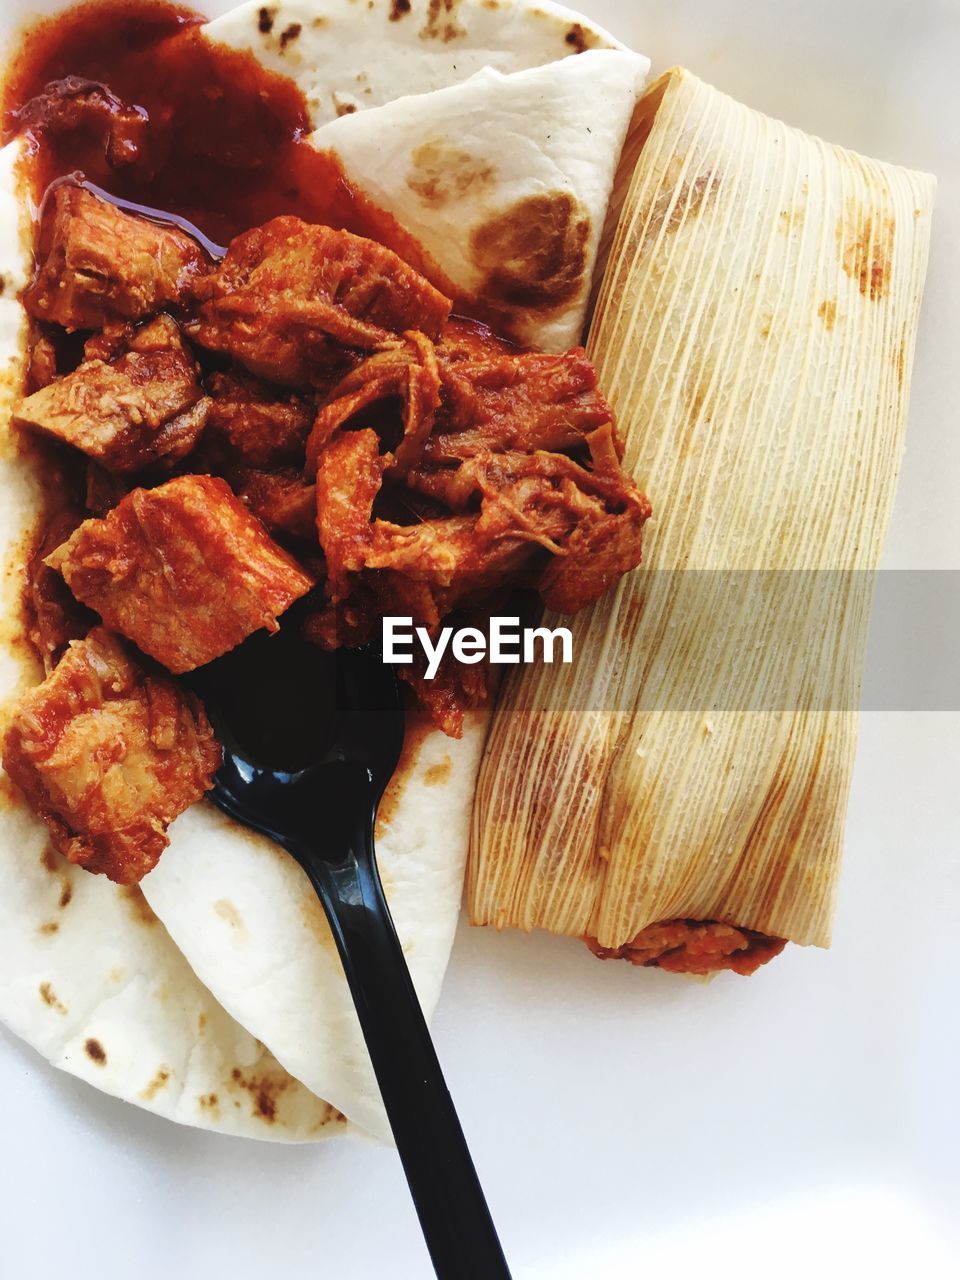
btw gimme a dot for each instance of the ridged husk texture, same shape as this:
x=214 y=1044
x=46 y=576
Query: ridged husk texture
x=755 y=334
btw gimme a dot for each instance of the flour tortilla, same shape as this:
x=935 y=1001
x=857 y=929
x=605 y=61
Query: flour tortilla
x=103 y=969
x=250 y=924
x=91 y=978
x=349 y=55
x=505 y=181
x=242 y=913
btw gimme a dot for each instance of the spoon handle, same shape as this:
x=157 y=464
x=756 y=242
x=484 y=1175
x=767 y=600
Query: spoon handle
x=456 y=1222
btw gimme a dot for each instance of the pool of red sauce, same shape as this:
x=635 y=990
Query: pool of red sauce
x=226 y=142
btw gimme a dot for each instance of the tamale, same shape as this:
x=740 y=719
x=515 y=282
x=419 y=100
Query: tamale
x=687 y=776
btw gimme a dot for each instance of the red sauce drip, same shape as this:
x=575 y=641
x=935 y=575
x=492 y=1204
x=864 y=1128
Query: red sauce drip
x=225 y=144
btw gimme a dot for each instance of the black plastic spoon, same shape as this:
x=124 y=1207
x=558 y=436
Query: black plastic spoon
x=310 y=741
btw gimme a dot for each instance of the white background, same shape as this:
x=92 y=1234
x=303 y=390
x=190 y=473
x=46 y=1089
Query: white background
x=627 y=1124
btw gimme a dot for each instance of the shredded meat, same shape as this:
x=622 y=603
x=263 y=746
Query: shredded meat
x=254 y=425
x=100 y=265
x=405 y=376
x=289 y=297
x=695 y=946
x=108 y=756
x=348 y=480
x=145 y=407
x=183 y=570
x=503 y=399
x=516 y=458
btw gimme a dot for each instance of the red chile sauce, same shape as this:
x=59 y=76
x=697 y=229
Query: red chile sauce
x=225 y=145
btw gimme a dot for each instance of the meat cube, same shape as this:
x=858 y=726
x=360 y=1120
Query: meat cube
x=289 y=294
x=145 y=407
x=183 y=570
x=108 y=756
x=99 y=264
x=252 y=424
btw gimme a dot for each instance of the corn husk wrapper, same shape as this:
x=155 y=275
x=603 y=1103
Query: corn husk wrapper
x=755 y=334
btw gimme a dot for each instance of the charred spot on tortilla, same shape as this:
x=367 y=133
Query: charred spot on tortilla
x=139 y=907
x=263 y=1091
x=576 y=37
x=345 y=108
x=443 y=172
x=228 y=912
x=51 y=999
x=48 y=929
x=399 y=9
x=534 y=254
x=209 y=1102
x=438 y=773
x=96 y=1052
x=332 y=1116
x=265 y=20
x=435 y=28
x=66 y=894
x=159 y=1081
x=289 y=34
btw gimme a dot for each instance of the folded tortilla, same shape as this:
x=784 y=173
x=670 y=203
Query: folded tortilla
x=505 y=181
x=755 y=334
x=91 y=978
x=348 y=55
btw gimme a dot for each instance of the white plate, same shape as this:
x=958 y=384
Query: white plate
x=626 y=1124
